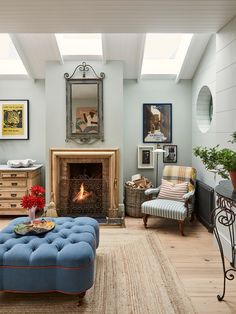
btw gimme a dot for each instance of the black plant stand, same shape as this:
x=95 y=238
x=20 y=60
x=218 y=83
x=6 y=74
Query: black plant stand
x=225 y=215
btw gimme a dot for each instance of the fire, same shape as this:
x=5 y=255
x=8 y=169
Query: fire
x=81 y=195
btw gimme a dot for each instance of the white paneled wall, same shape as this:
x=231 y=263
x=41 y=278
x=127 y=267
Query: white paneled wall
x=217 y=70
x=204 y=76
x=226 y=83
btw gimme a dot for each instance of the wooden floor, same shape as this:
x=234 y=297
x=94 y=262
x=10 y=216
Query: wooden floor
x=196 y=261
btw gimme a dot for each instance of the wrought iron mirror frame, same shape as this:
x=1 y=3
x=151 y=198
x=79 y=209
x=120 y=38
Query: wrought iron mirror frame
x=83 y=70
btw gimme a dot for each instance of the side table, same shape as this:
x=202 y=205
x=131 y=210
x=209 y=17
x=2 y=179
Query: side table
x=225 y=215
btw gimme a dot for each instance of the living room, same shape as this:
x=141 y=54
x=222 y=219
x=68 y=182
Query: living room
x=211 y=63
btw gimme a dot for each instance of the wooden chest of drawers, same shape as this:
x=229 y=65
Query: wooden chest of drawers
x=15 y=183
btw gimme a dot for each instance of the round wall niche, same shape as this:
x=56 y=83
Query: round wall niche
x=204 y=109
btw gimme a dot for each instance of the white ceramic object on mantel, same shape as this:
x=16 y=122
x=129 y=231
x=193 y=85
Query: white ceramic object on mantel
x=24 y=163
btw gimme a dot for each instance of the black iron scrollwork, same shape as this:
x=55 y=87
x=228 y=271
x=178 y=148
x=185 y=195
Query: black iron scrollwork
x=84 y=68
x=225 y=216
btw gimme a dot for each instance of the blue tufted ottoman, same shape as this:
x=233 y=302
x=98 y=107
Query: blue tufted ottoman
x=61 y=260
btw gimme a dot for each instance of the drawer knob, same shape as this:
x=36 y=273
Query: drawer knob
x=13 y=174
x=13 y=195
x=14 y=183
x=13 y=205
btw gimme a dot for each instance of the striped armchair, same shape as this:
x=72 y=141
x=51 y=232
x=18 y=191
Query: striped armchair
x=179 y=209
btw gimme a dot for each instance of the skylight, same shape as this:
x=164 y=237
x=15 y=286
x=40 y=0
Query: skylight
x=164 y=53
x=80 y=44
x=10 y=62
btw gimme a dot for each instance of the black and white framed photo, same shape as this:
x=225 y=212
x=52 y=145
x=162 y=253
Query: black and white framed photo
x=170 y=156
x=145 y=157
x=14 y=119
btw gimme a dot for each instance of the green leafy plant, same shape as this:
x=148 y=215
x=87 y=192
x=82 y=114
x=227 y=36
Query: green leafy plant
x=222 y=161
x=233 y=138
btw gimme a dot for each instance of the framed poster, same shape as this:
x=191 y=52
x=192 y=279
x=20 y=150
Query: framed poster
x=14 y=119
x=145 y=157
x=157 y=123
x=170 y=156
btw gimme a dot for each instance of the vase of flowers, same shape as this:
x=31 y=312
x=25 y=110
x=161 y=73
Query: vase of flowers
x=35 y=200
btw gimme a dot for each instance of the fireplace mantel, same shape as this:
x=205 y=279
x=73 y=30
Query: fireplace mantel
x=59 y=156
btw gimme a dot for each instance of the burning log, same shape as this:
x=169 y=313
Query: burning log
x=82 y=194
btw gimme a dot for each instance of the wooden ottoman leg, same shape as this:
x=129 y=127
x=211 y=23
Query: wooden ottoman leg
x=81 y=296
x=145 y=219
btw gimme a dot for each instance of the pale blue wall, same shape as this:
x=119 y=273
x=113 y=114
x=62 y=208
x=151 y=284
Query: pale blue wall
x=33 y=148
x=156 y=91
x=113 y=108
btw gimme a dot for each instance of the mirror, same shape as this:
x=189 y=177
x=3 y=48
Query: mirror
x=84 y=107
x=204 y=109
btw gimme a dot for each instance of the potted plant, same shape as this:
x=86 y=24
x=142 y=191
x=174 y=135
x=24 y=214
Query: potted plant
x=222 y=161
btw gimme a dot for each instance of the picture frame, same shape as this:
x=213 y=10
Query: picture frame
x=145 y=157
x=14 y=119
x=170 y=156
x=157 y=123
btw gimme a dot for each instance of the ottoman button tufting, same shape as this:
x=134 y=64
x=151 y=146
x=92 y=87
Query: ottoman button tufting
x=68 y=269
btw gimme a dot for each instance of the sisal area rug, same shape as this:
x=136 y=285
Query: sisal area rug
x=133 y=276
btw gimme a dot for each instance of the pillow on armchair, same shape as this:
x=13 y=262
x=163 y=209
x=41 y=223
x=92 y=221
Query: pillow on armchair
x=173 y=191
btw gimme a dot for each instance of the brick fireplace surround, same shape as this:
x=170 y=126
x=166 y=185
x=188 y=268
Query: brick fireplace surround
x=60 y=159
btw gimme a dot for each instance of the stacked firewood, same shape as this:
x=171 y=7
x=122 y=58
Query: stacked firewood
x=139 y=182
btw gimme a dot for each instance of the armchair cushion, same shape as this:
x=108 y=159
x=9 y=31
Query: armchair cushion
x=165 y=208
x=172 y=191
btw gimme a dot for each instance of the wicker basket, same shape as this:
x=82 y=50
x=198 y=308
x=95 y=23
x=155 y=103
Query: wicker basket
x=133 y=201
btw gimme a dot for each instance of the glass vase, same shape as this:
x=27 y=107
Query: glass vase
x=32 y=211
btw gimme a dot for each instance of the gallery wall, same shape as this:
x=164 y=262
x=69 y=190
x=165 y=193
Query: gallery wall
x=156 y=91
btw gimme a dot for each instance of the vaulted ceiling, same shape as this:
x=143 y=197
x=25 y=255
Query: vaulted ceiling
x=32 y=25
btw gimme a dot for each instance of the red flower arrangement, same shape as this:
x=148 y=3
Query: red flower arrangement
x=35 y=199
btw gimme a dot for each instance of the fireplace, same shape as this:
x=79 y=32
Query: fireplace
x=85 y=182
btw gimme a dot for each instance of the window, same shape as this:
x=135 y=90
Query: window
x=80 y=44
x=10 y=62
x=164 y=53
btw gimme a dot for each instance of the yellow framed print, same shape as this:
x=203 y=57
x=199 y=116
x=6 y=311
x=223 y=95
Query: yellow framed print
x=14 y=119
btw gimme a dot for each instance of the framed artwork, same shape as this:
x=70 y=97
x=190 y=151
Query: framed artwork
x=157 y=123
x=170 y=156
x=14 y=119
x=145 y=157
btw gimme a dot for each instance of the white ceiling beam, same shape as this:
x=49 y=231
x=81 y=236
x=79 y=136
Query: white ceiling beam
x=56 y=49
x=140 y=55
x=17 y=44
x=193 y=56
x=183 y=65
